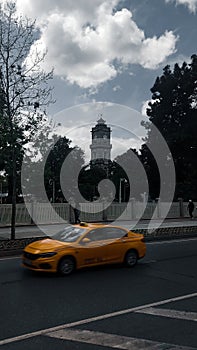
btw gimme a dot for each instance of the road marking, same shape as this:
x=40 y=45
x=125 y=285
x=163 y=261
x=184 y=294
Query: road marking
x=10 y=257
x=112 y=340
x=148 y=262
x=94 y=319
x=183 y=315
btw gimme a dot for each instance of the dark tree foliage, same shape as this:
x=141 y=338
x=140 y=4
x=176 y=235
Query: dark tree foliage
x=89 y=179
x=122 y=172
x=174 y=112
x=152 y=171
x=53 y=167
x=129 y=167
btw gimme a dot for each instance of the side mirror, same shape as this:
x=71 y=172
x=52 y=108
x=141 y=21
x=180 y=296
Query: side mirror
x=85 y=240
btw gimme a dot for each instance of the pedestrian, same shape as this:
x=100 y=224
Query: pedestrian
x=77 y=213
x=190 y=208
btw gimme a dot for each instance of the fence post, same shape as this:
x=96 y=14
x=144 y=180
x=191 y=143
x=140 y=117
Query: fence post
x=32 y=213
x=104 y=218
x=158 y=208
x=181 y=213
x=133 y=213
x=70 y=218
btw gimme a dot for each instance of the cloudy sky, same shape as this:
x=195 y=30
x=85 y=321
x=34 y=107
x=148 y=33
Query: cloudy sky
x=110 y=50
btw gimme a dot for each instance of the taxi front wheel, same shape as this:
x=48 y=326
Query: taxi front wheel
x=131 y=258
x=66 y=266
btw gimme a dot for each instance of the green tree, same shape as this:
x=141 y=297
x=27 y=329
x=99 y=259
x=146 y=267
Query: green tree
x=89 y=179
x=35 y=156
x=128 y=167
x=152 y=171
x=25 y=91
x=173 y=111
x=59 y=152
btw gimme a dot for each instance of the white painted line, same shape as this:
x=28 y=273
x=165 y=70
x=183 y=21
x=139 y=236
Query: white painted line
x=148 y=262
x=94 y=319
x=113 y=340
x=10 y=257
x=182 y=315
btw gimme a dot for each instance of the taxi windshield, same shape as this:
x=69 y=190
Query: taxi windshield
x=69 y=234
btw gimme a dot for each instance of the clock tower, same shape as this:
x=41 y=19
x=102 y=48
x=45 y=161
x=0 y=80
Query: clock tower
x=101 y=146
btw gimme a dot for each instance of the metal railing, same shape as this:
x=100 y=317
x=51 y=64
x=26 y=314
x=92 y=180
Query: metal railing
x=46 y=213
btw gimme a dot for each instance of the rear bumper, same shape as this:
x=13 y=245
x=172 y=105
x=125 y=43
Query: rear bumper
x=142 y=252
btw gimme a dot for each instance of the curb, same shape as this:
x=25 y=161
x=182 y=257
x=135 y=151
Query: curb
x=164 y=233
x=10 y=247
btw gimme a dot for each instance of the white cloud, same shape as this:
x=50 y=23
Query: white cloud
x=116 y=88
x=155 y=50
x=191 y=4
x=144 y=107
x=180 y=58
x=85 y=38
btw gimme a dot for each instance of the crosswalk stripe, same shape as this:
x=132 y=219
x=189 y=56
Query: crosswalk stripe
x=94 y=319
x=113 y=340
x=183 y=315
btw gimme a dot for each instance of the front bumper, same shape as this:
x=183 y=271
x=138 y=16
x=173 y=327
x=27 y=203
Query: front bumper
x=41 y=264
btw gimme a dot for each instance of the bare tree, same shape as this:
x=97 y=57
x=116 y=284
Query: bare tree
x=25 y=92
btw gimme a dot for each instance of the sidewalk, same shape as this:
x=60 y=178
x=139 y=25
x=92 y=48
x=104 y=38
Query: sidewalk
x=42 y=230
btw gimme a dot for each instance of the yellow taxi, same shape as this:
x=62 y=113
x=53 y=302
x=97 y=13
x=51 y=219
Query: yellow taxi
x=83 y=245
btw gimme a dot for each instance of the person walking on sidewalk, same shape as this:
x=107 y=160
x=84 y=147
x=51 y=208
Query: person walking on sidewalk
x=77 y=212
x=190 y=208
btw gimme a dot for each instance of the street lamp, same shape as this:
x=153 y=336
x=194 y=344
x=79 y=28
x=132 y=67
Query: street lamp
x=1 y=190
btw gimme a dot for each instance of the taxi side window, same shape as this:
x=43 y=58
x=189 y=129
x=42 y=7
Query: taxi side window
x=115 y=233
x=106 y=233
x=90 y=235
x=96 y=235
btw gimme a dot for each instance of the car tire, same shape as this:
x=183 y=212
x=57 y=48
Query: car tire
x=66 y=266
x=131 y=258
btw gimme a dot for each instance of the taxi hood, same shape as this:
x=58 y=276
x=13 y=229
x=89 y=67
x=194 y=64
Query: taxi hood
x=46 y=245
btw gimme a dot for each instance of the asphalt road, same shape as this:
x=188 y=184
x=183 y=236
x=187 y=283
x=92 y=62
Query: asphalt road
x=151 y=306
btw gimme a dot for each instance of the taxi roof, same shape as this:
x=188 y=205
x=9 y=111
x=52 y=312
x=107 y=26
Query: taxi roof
x=95 y=224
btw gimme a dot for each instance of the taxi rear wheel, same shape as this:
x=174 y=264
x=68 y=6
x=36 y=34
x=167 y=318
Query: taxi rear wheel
x=131 y=258
x=66 y=266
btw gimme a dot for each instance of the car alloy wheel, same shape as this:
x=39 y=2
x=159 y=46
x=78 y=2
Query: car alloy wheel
x=131 y=258
x=66 y=266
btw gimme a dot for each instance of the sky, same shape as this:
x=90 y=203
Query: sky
x=106 y=55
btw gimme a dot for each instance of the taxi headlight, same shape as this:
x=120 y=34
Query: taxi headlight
x=47 y=255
